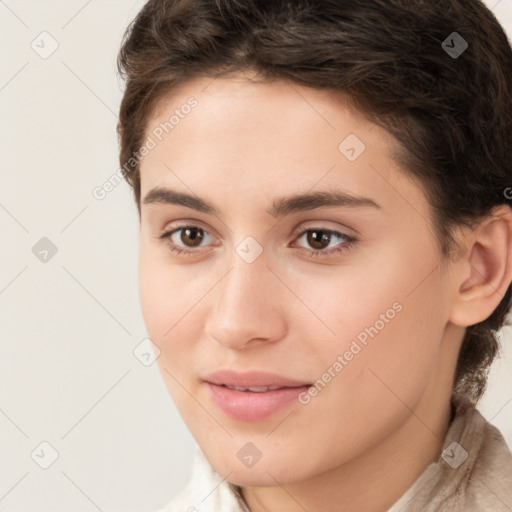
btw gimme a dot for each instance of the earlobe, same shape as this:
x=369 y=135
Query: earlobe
x=488 y=262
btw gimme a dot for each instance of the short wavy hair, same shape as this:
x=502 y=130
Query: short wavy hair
x=452 y=114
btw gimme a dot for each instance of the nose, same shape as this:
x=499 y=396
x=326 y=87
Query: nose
x=248 y=307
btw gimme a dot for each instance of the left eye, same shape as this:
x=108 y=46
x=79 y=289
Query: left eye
x=318 y=237
x=192 y=236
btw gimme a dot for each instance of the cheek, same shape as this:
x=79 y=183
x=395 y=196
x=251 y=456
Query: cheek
x=386 y=363
x=171 y=299
x=384 y=332
x=389 y=359
x=154 y=295
x=161 y=297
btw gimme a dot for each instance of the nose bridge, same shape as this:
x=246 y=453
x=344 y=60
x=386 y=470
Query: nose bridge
x=244 y=307
x=247 y=274
x=243 y=287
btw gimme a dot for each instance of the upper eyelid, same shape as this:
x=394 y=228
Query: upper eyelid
x=309 y=225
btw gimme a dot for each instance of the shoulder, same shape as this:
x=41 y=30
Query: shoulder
x=487 y=483
x=472 y=473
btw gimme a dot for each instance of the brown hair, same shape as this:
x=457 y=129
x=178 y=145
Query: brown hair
x=452 y=114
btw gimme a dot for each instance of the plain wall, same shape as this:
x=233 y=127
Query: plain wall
x=69 y=325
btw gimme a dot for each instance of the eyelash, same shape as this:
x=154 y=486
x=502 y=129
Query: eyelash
x=349 y=241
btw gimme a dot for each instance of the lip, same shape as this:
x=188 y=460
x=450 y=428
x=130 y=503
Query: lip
x=252 y=405
x=252 y=378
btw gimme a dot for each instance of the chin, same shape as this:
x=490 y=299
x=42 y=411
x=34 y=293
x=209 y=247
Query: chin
x=264 y=473
x=253 y=477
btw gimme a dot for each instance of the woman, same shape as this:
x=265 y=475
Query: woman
x=325 y=245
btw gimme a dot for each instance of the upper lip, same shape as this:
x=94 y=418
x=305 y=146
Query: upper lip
x=252 y=378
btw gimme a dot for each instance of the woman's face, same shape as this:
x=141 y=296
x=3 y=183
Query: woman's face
x=352 y=336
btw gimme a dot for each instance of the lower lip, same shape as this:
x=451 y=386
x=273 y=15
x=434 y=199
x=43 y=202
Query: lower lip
x=252 y=406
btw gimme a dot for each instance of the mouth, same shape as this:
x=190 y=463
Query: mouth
x=252 y=379
x=254 y=389
x=252 y=396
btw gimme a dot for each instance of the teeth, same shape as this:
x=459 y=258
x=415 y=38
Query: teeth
x=254 y=389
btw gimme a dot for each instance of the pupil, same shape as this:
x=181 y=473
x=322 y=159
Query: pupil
x=196 y=239
x=317 y=241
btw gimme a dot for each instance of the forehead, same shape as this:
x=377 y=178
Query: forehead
x=258 y=137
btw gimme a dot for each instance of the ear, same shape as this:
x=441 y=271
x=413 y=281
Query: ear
x=484 y=272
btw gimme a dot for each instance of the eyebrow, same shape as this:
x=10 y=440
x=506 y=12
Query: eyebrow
x=281 y=206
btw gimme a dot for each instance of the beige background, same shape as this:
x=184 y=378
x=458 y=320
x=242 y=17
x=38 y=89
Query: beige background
x=69 y=326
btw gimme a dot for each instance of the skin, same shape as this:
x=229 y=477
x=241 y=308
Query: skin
x=368 y=435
